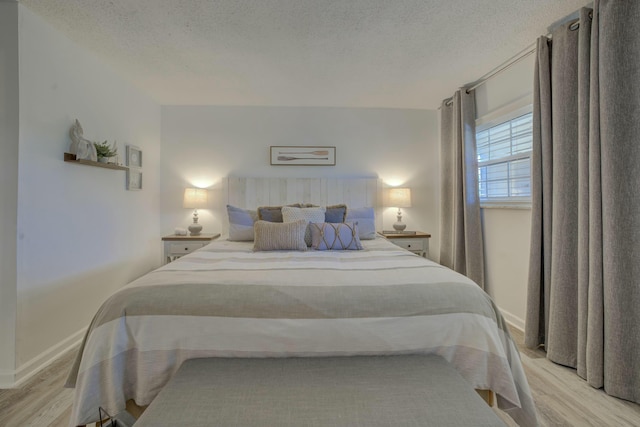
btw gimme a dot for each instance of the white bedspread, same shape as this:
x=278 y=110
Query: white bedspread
x=227 y=301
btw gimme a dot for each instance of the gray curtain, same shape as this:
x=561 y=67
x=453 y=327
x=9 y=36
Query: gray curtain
x=583 y=300
x=461 y=245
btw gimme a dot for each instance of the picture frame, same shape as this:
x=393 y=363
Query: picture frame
x=134 y=156
x=134 y=180
x=297 y=155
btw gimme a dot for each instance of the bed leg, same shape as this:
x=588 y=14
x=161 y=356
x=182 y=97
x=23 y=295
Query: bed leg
x=488 y=396
x=134 y=409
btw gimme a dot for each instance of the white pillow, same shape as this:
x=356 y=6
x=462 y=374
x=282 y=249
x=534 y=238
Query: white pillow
x=315 y=214
x=366 y=219
x=241 y=223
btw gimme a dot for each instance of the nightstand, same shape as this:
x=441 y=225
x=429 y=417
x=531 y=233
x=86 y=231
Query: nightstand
x=177 y=246
x=417 y=243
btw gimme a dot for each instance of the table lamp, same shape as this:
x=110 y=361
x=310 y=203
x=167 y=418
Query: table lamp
x=195 y=198
x=399 y=198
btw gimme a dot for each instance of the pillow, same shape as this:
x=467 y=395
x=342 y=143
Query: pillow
x=241 y=223
x=274 y=236
x=336 y=213
x=273 y=213
x=336 y=236
x=316 y=214
x=366 y=220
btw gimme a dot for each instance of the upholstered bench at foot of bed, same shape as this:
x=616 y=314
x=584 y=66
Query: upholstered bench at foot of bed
x=362 y=391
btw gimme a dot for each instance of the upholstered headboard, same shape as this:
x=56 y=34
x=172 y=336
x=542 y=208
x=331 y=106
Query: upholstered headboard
x=253 y=192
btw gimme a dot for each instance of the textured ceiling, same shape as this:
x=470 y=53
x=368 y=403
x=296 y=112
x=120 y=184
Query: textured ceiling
x=336 y=53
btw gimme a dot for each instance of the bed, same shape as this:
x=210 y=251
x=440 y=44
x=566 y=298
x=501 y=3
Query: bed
x=226 y=300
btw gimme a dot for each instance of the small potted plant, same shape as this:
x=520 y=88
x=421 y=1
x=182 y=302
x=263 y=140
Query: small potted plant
x=105 y=151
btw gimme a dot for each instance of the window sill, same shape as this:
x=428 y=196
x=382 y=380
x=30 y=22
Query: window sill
x=506 y=205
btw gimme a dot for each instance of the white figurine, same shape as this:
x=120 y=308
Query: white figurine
x=80 y=146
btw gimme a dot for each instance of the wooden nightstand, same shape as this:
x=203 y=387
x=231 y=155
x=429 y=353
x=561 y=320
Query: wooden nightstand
x=177 y=246
x=417 y=243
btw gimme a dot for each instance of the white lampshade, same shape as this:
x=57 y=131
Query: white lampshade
x=399 y=197
x=195 y=198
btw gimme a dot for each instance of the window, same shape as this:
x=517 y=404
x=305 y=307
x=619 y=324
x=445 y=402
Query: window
x=504 y=160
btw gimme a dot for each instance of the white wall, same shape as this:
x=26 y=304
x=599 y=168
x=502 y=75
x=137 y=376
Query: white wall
x=506 y=245
x=81 y=235
x=507 y=231
x=8 y=183
x=201 y=145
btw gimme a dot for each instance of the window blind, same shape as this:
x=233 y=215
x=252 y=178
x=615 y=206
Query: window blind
x=504 y=159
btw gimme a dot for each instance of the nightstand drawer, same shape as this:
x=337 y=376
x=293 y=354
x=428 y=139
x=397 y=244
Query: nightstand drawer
x=416 y=242
x=185 y=248
x=177 y=246
x=413 y=245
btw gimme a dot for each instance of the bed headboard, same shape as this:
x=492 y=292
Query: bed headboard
x=250 y=193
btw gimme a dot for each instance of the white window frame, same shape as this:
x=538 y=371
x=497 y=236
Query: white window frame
x=510 y=111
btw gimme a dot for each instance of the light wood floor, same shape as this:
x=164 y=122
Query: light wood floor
x=562 y=398
x=42 y=401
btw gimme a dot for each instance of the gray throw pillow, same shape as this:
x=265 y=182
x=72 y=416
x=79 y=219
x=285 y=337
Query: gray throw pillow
x=278 y=236
x=335 y=213
x=273 y=213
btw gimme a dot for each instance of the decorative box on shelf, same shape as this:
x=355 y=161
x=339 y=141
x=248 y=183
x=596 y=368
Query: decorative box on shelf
x=414 y=241
x=177 y=246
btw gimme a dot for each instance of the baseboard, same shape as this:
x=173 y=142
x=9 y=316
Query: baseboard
x=6 y=378
x=513 y=320
x=15 y=378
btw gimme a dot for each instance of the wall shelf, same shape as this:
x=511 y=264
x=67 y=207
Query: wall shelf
x=68 y=157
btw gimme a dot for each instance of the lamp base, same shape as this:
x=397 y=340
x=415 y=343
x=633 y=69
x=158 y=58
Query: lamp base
x=399 y=226
x=195 y=229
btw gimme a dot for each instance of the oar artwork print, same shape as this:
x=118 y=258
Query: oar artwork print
x=287 y=158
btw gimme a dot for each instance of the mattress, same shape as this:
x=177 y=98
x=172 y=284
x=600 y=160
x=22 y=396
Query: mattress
x=225 y=300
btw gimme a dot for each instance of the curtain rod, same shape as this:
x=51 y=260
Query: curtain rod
x=502 y=67
x=573 y=26
x=505 y=66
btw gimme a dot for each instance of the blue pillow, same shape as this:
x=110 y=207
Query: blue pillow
x=365 y=217
x=336 y=213
x=335 y=236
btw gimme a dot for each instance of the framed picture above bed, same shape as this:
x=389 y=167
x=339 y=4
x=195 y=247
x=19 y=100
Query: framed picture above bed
x=291 y=155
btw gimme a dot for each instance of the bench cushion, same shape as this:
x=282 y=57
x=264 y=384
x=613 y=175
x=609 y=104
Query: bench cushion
x=360 y=391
